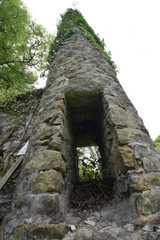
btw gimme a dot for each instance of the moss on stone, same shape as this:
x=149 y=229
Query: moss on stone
x=72 y=22
x=83 y=98
x=20 y=105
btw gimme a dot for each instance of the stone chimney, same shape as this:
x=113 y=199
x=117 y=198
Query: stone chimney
x=83 y=104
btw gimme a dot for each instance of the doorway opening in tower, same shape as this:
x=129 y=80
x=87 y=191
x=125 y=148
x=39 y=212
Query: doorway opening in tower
x=93 y=186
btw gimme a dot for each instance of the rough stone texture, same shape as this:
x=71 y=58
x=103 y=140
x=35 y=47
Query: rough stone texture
x=84 y=104
x=45 y=132
x=147 y=182
x=84 y=234
x=108 y=233
x=125 y=159
x=51 y=231
x=43 y=204
x=46 y=160
x=55 y=143
x=21 y=232
x=152 y=220
x=48 y=181
x=40 y=231
x=127 y=135
x=123 y=118
x=151 y=164
x=14 y=132
x=148 y=202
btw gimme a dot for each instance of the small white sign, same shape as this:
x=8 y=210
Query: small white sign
x=23 y=149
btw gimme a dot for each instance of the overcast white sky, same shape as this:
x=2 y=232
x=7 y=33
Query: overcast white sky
x=131 y=30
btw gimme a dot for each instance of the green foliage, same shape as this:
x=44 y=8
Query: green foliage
x=18 y=105
x=71 y=22
x=13 y=238
x=90 y=164
x=24 y=46
x=157 y=142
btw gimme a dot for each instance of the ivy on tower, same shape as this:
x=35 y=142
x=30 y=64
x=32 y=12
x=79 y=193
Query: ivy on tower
x=72 y=22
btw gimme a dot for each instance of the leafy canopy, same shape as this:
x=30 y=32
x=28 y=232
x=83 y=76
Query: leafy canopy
x=89 y=164
x=157 y=142
x=23 y=47
x=71 y=22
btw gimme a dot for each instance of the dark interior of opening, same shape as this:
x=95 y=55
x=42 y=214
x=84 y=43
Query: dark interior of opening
x=86 y=122
x=84 y=113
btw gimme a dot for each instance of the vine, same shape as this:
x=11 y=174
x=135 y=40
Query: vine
x=18 y=106
x=72 y=22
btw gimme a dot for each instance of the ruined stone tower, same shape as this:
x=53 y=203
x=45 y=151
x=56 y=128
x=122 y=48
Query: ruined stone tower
x=83 y=104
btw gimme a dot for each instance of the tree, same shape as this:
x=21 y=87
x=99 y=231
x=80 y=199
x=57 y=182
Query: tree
x=157 y=142
x=89 y=163
x=23 y=48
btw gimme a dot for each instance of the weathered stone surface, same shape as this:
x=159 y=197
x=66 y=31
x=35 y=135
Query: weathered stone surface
x=55 y=143
x=12 y=130
x=124 y=159
x=46 y=132
x=147 y=228
x=116 y=212
x=43 y=204
x=147 y=182
x=57 y=121
x=121 y=117
x=40 y=231
x=48 y=181
x=49 y=231
x=83 y=98
x=125 y=235
x=103 y=236
x=84 y=234
x=147 y=150
x=61 y=80
x=108 y=233
x=46 y=205
x=148 y=202
x=117 y=100
x=46 y=160
x=44 y=142
x=21 y=232
x=52 y=105
x=134 y=176
x=127 y=135
x=58 y=105
x=151 y=164
x=128 y=232
x=129 y=227
x=150 y=219
x=48 y=115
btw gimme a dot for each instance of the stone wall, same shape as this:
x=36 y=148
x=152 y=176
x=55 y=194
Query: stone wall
x=79 y=75
x=14 y=132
